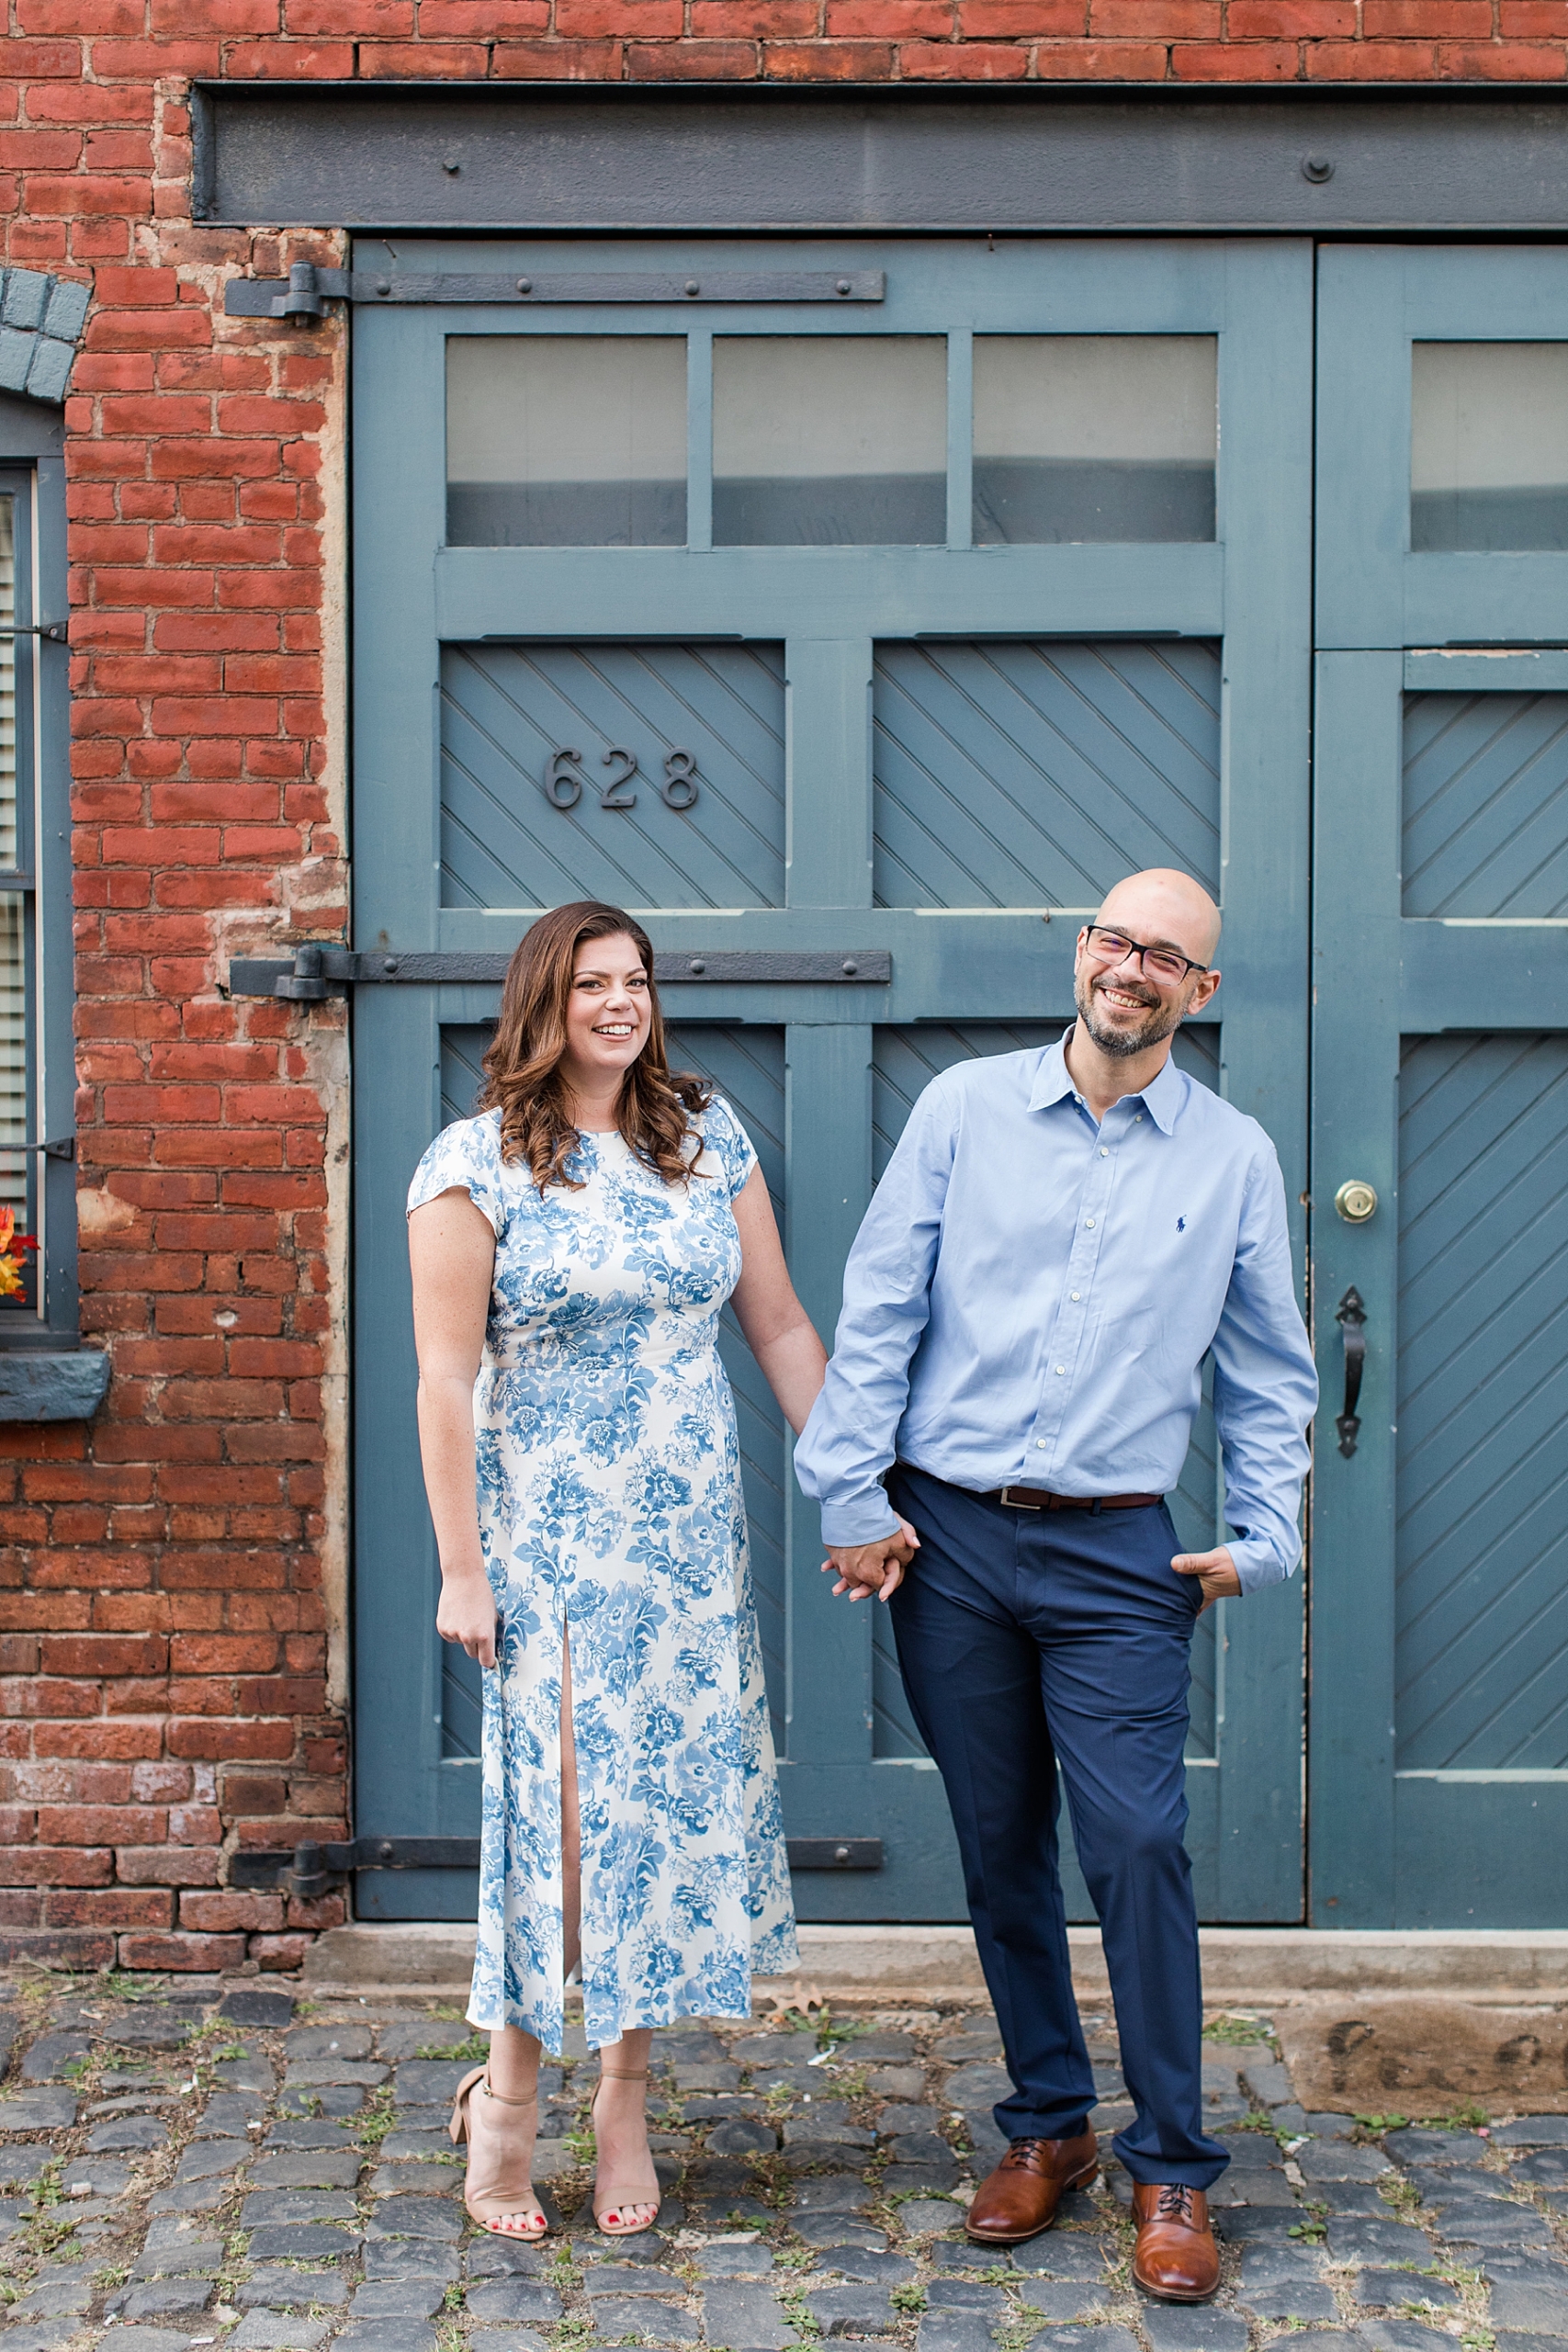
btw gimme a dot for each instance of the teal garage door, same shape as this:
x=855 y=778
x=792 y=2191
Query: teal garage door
x=1439 y=1689
x=857 y=616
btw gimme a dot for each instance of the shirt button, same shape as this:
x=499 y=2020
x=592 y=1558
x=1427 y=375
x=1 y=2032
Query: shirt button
x=1089 y=1222
x=1077 y=1293
x=1103 y=1152
x=1061 y=1368
x=1039 y=1445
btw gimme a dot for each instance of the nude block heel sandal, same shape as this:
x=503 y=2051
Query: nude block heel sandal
x=497 y=2181
x=609 y=2201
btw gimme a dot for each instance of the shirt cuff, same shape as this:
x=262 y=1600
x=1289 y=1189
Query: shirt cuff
x=1257 y=1561
x=861 y=1520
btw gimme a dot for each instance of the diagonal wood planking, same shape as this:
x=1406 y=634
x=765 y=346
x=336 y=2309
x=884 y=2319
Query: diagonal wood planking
x=1485 y=805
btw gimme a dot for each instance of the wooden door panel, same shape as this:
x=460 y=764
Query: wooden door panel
x=1485 y=805
x=1020 y=774
x=708 y=716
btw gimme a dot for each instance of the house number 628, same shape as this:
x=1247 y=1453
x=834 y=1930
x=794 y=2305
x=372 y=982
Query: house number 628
x=564 y=779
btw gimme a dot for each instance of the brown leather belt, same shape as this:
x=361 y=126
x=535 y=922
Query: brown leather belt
x=1040 y=1498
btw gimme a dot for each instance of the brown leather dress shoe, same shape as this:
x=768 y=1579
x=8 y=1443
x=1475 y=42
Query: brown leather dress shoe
x=1176 y=2257
x=1020 y=2198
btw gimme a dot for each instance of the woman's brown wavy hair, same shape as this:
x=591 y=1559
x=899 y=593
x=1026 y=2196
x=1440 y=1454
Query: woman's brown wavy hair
x=522 y=1068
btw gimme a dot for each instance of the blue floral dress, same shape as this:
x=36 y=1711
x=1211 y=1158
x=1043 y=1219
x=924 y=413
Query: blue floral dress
x=610 y=1501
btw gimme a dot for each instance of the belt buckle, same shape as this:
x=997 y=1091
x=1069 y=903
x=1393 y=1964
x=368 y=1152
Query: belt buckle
x=1020 y=1499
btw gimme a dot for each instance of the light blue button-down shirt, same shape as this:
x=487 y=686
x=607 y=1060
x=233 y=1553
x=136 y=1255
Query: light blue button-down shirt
x=1031 y=1297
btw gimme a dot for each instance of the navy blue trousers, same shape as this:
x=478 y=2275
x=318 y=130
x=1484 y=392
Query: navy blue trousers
x=1033 y=1640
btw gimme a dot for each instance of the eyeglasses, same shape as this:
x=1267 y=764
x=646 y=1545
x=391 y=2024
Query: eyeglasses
x=1113 y=948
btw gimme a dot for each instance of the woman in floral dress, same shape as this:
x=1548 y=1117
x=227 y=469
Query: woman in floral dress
x=572 y=1247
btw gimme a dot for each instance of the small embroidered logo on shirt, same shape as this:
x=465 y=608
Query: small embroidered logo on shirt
x=1181 y=1225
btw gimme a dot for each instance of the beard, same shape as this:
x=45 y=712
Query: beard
x=1162 y=1018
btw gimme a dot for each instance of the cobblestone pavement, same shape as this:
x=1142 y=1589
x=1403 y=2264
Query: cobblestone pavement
x=186 y=2163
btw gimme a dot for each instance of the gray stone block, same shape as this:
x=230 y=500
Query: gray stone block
x=397 y=2145
x=385 y=2335
x=1059 y=2298
x=287 y=2290
x=436 y=2179
x=622 y=2277
x=967 y=2295
x=745 y=2319
x=1062 y=2253
x=1340 y=2160
x=246 y=2075
x=1414 y=2146
x=1089 y=2339
x=1548 y=2169
x=167 y=2299
x=497 y=2257
x=412 y=2258
x=1347 y=2197
x=51 y=2054
x=770 y=2049
x=191 y=2196
x=171 y=2251
x=49 y=373
x=738 y=2137
x=524 y=2299
x=307 y=2168
x=954 y=2332
x=840 y=2229
x=1523 y=2340
x=95 y=2175
x=733 y=2261
x=55 y=2292
x=620 y=2315
x=897 y=2082
x=872 y=2265
x=1387 y=2289
x=212 y=2159
x=922 y=2180
x=429 y=2082
x=332 y=2041
x=508 y=2339
x=124 y=2339
x=416 y=2298
x=272 y=2207
x=853 y=2311
x=151 y=2025
x=45 y=2335
x=974 y=2041
x=1359 y=2241
x=899 y=2117
x=67 y=310
x=703 y=2077
x=1532 y=2132
x=128 y=2131
x=1175 y=2327
x=977 y=2086
x=27 y=297
x=42 y=2109
x=1399 y=2335
x=18 y=347
x=922 y=2215
x=1534 y=2299
x=840 y=2192
x=310 y=2074
x=1269 y=2082
x=300 y=2242
x=1297 y=2299
x=227 y=2112
x=278 y=2332
x=921 y=2148
x=1263 y=2266
x=417 y=2217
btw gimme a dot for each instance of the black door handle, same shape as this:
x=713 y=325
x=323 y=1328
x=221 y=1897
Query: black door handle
x=1351 y=1316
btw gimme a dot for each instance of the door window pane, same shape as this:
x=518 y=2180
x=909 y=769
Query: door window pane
x=1094 y=436
x=829 y=440
x=575 y=440
x=1488 y=446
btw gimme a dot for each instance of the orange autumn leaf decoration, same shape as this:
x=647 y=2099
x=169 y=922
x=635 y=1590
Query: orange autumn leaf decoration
x=11 y=1244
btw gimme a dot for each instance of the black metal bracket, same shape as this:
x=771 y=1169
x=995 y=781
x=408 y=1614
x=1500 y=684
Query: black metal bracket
x=58 y=1147
x=304 y=294
x=834 y=1853
x=53 y=631
x=315 y=1867
x=315 y=973
x=1351 y=1316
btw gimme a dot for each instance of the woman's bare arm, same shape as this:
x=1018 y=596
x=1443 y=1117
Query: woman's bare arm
x=452 y=1254
x=778 y=1330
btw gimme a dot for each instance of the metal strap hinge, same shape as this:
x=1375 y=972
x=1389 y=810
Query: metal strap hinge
x=314 y=1867
x=58 y=1147
x=314 y=973
x=304 y=294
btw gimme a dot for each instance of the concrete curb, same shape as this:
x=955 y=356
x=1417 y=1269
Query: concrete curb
x=887 y=1965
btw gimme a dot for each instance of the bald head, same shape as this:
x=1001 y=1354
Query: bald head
x=1164 y=908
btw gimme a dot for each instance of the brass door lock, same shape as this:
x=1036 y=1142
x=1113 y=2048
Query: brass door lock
x=1356 y=1201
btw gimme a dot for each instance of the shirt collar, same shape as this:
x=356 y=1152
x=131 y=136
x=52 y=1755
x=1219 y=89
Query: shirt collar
x=1162 y=1098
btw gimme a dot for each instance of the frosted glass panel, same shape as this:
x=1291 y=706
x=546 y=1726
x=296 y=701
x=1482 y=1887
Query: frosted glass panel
x=829 y=440
x=13 y=1056
x=8 y=682
x=575 y=440
x=1094 y=437
x=1488 y=446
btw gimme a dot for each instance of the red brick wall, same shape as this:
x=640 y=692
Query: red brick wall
x=172 y=1583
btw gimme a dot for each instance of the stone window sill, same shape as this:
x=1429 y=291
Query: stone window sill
x=51 y=1384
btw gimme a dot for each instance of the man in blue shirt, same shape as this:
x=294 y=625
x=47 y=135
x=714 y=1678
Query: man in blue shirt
x=1060 y=1239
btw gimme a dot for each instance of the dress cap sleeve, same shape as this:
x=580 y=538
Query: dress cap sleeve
x=726 y=1141
x=465 y=1155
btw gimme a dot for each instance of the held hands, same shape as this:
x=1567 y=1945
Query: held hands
x=878 y=1566
x=1215 y=1571
x=466 y=1613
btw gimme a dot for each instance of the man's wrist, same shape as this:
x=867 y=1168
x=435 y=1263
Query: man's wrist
x=864 y=1519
